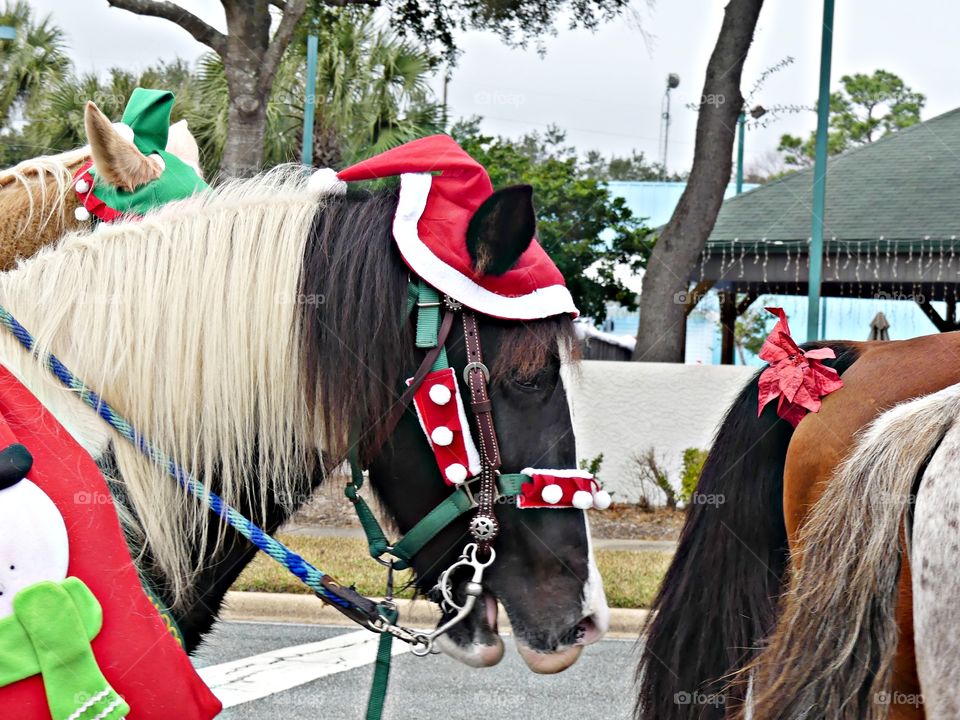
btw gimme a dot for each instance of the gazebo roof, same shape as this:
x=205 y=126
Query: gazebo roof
x=904 y=188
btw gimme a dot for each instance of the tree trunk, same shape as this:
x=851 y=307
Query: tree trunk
x=250 y=62
x=662 y=332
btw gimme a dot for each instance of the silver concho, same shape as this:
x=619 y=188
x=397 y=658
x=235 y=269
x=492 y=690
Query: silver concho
x=483 y=527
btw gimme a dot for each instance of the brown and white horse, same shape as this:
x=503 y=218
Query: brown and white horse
x=803 y=590
x=37 y=201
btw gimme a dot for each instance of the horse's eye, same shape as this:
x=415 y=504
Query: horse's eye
x=529 y=382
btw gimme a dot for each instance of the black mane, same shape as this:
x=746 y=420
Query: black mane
x=357 y=344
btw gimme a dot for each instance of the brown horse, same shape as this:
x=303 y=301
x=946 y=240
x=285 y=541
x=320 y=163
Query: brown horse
x=772 y=568
x=37 y=201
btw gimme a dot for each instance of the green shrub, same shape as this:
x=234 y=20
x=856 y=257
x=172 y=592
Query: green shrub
x=693 y=459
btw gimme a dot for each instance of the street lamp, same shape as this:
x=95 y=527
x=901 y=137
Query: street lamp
x=673 y=81
x=758 y=112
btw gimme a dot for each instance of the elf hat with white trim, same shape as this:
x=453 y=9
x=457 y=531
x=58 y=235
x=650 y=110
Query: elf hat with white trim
x=441 y=189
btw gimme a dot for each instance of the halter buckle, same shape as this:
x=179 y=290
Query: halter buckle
x=470 y=367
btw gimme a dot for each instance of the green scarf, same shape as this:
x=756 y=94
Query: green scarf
x=49 y=634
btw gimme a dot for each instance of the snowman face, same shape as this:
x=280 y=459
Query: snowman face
x=33 y=541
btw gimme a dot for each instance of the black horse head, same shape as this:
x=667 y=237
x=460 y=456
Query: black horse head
x=360 y=349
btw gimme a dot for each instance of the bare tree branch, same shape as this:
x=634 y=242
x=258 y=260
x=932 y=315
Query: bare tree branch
x=174 y=13
x=292 y=13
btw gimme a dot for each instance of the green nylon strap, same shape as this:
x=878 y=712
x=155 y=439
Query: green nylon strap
x=376 y=539
x=381 y=671
x=449 y=509
x=428 y=316
x=428 y=321
x=510 y=483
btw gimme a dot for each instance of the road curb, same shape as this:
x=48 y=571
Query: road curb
x=307 y=609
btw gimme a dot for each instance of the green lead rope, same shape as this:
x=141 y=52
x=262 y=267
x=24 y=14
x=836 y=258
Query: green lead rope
x=381 y=672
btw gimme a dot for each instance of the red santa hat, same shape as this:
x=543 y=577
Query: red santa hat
x=441 y=190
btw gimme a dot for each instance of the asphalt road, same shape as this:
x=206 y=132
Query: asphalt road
x=598 y=687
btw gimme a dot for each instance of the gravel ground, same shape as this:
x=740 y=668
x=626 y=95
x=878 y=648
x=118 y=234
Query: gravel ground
x=330 y=509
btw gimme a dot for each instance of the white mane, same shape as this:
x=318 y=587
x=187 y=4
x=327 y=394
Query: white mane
x=187 y=322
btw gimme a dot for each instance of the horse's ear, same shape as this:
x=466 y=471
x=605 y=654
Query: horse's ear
x=116 y=159
x=501 y=229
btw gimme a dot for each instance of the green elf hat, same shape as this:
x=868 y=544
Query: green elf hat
x=145 y=123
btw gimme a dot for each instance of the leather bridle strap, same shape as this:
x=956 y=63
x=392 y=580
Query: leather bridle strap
x=484 y=526
x=418 y=377
x=477 y=376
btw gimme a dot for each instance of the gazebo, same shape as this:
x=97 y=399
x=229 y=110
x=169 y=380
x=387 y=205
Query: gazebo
x=890 y=230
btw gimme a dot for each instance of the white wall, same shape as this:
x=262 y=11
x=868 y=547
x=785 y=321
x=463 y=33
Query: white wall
x=620 y=408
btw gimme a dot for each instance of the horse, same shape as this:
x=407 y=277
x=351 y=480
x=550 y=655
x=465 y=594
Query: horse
x=37 y=201
x=799 y=592
x=246 y=331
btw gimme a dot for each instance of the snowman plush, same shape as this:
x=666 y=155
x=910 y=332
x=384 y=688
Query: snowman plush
x=47 y=620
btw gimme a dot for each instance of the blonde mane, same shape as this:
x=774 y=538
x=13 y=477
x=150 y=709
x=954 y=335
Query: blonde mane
x=36 y=203
x=188 y=323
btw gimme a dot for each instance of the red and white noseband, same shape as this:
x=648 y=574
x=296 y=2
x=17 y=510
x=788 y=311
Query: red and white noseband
x=444 y=421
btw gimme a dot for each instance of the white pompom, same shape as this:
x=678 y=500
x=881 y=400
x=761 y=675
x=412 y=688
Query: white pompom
x=325 y=182
x=552 y=494
x=601 y=500
x=81 y=214
x=440 y=394
x=82 y=185
x=456 y=473
x=582 y=500
x=442 y=436
x=124 y=131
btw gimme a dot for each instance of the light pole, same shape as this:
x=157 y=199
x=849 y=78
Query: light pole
x=758 y=112
x=673 y=80
x=309 y=100
x=820 y=176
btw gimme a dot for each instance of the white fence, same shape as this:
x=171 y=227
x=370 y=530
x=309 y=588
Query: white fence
x=622 y=408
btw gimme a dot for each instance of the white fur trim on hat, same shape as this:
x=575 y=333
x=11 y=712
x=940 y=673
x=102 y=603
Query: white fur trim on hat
x=541 y=303
x=325 y=182
x=124 y=131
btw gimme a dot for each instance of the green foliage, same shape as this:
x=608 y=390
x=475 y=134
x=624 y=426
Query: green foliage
x=868 y=107
x=632 y=167
x=586 y=231
x=752 y=329
x=514 y=21
x=693 y=460
x=372 y=93
x=592 y=466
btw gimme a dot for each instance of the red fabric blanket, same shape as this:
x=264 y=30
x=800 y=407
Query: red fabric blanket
x=135 y=650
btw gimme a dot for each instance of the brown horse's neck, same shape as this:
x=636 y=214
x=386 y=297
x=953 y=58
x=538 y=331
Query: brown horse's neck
x=37 y=206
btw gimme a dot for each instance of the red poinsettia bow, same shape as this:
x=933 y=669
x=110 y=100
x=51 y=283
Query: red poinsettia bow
x=798 y=378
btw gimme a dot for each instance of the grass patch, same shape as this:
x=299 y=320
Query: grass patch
x=631 y=578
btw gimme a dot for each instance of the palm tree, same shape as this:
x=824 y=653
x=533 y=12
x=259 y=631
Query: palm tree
x=30 y=63
x=54 y=121
x=372 y=93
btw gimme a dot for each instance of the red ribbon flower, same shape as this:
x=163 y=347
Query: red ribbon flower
x=798 y=378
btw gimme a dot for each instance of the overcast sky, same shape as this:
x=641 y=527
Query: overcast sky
x=605 y=88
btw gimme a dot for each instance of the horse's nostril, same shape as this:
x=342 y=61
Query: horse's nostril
x=588 y=632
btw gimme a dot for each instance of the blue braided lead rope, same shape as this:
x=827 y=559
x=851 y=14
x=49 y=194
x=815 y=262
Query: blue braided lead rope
x=293 y=562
